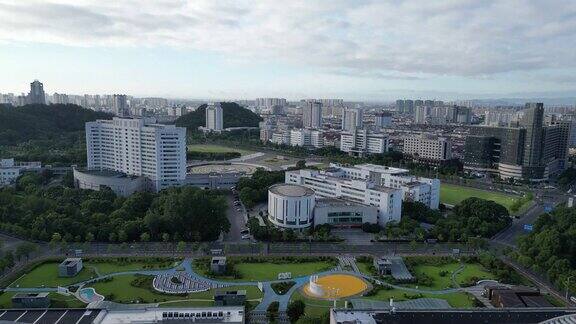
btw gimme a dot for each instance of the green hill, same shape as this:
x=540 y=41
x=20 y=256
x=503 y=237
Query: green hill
x=234 y=115
x=30 y=122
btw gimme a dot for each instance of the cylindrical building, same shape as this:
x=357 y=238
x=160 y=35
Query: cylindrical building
x=290 y=206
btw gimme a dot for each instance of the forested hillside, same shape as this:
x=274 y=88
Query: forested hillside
x=20 y=124
x=48 y=133
x=234 y=115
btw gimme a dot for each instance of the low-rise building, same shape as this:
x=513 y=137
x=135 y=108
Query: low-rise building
x=218 y=264
x=230 y=298
x=11 y=170
x=31 y=300
x=120 y=183
x=291 y=206
x=340 y=212
x=70 y=267
x=332 y=183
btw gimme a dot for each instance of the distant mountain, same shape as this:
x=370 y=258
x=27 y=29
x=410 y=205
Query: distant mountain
x=21 y=124
x=234 y=115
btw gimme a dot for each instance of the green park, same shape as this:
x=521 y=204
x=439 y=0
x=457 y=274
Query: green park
x=453 y=195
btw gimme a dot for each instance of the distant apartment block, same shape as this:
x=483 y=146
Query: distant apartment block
x=360 y=142
x=214 y=117
x=428 y=148
x=312 y=115
x=306 y=138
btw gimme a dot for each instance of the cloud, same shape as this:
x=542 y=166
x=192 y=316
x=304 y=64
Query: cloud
x=366 y=38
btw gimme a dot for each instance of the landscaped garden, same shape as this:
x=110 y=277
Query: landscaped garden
x=138 y=289
x=266 y=269
x=212 y=148
x=57 y=300
x=46 y=274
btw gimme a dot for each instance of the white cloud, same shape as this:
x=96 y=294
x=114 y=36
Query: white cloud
x=374 y=39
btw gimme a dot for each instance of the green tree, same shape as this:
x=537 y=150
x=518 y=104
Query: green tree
x=181 y=246
x=145 y=237
x=295 y=310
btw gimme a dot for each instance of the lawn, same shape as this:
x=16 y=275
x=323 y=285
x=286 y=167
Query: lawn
x=269 y=271
x=211 y=148
x=439 y=282
x=106 y=267
x=453 y=195
x=58 y=301
x=315 y=307
x=456 y=299
x=46 y=275
x=120 y=289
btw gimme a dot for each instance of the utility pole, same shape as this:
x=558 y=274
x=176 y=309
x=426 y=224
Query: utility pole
x=567 y=287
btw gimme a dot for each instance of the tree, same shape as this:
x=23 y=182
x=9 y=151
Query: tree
x=181 y=246
x=89 y=237
x=165 y=237
x=56 y=239
x=145 y=237
x=25 y=249
x=301 y=164
x=295 y=310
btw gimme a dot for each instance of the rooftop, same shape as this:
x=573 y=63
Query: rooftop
x=291 y=190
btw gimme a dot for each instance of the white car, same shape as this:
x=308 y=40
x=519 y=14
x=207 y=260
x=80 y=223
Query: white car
x=246 y=237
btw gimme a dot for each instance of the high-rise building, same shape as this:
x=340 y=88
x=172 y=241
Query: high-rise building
x=420 y=114
x=531 y=151
x=532 y=121
x=269 y=102
x=306 y=138
x=214 y=117
x=312 y=115
x=360 y=142
x=138 y=147
x=352 y=119
x=36 y=94
x=120 y=105
x=383 y=119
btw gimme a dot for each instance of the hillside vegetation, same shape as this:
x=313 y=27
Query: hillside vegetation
x=21 y=124
x=234 y=115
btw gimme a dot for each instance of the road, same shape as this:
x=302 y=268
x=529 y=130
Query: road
x=236 y=220
x=508 y=236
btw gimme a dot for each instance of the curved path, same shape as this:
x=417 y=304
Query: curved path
x=269 y=295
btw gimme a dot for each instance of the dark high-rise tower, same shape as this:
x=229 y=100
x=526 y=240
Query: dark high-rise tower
x=36 y=94
x=533 y=122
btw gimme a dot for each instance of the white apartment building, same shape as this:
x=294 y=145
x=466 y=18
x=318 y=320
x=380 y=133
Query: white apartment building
x=333 y=183
x=352 y=119
x=281 y=137
x=428 y=147
x=214 y=117
x=360 y=142
x=306 y=138
x=138 y=147
x=383 y=119
x=424 y=190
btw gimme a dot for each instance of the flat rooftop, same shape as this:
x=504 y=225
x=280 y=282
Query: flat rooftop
x=291 y=190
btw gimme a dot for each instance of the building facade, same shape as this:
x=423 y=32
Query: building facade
x=312 y=115
x=360 y=142
x=36 y=94
x=291 y=206
x=333 y=183
x=214 y=117
x=138 y=147
x=352 y=118
x=428 y=148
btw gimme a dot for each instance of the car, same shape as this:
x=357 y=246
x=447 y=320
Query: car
x=245 y=231
x=237 y=209
x=246 y=237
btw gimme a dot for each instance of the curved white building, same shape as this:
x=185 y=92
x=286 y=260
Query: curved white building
x=290 y=206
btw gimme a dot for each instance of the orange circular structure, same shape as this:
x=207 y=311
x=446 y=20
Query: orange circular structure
x=335 y=286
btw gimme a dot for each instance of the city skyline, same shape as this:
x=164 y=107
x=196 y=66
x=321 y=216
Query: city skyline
x=240 y=50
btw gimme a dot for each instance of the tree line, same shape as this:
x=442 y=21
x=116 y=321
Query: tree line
x=63 y=214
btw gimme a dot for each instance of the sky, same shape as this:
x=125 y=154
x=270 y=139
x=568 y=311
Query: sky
x=351 y=49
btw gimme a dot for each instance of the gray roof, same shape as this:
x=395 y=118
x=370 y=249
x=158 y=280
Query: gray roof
x=291 y=190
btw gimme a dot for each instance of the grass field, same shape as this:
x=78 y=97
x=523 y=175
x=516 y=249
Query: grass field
x=453 y=195
x=211 y=148
x=471 y=270
x=457 y=299
x=57 y=301
x=46 y=274
x=121 y=290
x=315 y=307
x=266 y=271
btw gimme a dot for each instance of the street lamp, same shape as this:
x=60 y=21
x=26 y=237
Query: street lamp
x=568 y=285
